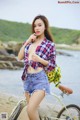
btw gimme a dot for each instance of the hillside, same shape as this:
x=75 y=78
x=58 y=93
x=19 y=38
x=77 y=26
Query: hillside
x=14 y=31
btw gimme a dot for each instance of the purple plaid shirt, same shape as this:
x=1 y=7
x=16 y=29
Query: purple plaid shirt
x=45 y=50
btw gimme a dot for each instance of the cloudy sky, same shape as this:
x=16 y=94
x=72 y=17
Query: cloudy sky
x=65 y=15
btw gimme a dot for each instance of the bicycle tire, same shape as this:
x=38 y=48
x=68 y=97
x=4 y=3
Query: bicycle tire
x=67 y=117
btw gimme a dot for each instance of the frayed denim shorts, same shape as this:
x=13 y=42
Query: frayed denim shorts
x=36 y=81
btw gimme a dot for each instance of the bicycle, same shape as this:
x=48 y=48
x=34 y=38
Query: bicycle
x=69 y=112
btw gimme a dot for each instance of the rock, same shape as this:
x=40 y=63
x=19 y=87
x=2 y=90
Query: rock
x=13 y=47
x=68 y=47
x=6 y=65
x=18 y=63
x=63 y=53
x=3 y=52
x=10 y=65
x=2 y=45
x=3 y=49
x=9 y=62
x=16 y=48
x=12 y=43
x=7 y=58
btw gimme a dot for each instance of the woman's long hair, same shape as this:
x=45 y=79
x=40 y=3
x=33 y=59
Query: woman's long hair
x=47 y=32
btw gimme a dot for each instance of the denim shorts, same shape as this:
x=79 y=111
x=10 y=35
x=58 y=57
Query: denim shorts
x=36 y=81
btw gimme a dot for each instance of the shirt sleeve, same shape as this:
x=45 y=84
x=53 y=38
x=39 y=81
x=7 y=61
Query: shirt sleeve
x=52 y=58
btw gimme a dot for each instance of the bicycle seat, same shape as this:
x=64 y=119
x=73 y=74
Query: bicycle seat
x=65 y=89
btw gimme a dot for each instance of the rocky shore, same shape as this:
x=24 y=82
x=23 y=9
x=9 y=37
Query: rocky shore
x=9 y=52
x=8 y=55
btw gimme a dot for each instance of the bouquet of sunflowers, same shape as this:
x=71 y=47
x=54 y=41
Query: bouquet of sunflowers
x=54 y=76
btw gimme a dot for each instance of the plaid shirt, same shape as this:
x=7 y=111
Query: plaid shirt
x=45 y=50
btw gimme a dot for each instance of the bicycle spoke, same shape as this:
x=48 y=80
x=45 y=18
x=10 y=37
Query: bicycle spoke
x=70 y=114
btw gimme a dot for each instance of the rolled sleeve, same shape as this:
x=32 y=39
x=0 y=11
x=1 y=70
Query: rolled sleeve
x=52 y=59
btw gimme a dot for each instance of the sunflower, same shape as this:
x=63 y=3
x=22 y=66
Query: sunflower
x=54 y=75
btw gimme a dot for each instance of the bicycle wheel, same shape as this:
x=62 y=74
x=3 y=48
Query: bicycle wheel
x=71 y=112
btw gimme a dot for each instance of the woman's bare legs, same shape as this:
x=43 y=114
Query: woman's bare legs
x=27 y=95
x=33 y=104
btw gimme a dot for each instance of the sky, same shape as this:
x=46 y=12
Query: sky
x=62 y=15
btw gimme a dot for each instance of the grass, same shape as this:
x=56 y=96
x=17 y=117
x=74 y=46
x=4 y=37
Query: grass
x=14 y=31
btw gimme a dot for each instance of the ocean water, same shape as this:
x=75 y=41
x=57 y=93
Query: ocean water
x=11 y=83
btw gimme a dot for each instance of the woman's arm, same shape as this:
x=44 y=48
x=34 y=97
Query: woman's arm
x=44 y=62
x=21 y=52
x=52 y=58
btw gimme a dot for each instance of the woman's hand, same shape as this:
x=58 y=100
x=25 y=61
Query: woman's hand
x=36 y=58
x=32 y=38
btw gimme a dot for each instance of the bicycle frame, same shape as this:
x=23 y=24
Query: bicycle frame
x=59 y=100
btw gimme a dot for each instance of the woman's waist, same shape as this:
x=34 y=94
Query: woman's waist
x=32 y=70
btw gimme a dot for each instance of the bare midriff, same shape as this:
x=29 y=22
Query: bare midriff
x=32 y=70
x=31 y=51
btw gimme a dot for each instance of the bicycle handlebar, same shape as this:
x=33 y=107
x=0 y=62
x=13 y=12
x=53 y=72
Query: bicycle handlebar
x=65 y=89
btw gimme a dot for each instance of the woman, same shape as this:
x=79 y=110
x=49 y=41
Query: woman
x=39 y=56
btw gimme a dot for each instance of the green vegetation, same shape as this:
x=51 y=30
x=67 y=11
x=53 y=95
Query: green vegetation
x=14 y=31
x=65 y=36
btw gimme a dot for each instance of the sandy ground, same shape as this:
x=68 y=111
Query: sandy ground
x=7 y=103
